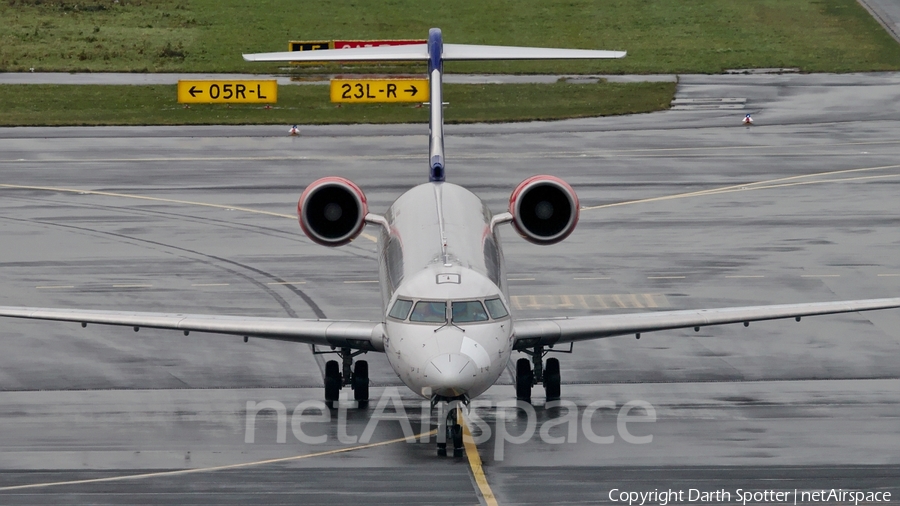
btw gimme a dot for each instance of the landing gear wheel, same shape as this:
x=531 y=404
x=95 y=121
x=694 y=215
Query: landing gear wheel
x=457 y=441
x=332 y=383
x=453 y=434
x=524 y=380
x=361 y=383
x=552 y=379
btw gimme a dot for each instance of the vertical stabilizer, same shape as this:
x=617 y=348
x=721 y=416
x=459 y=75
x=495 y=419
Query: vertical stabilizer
x=436 y=123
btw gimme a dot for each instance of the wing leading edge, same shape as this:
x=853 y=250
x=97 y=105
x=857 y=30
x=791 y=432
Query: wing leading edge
x=341 y=334
x=419 y=52
x=545 y=332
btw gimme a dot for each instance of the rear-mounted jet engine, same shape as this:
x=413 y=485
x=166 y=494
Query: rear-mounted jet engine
x=332 y=211
x=544 y=209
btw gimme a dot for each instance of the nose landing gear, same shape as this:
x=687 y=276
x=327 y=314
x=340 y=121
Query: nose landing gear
x=356 y=377
x=453 y=435
x=548 y=375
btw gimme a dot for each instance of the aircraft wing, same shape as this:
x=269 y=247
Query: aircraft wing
x=544 y=332
x=419 y=52
x=341 y=334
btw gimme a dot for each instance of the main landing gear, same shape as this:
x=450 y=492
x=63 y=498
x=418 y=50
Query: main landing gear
x=453 y=435
x=548 y=374
x=355 y=376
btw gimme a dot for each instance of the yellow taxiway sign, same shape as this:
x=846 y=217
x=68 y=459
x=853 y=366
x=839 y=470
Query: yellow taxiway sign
x=227 y=92
x=379 y=90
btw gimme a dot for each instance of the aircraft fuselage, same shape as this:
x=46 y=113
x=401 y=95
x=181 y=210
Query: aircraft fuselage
x=442 y=274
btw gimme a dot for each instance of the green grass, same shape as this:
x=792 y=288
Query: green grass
x=662 y=36
x=155 y=105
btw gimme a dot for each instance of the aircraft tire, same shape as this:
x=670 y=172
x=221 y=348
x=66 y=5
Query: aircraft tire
x=332 y=382
x=552 y=380
x=457 y=433
x=361 y=383
x=524 y=380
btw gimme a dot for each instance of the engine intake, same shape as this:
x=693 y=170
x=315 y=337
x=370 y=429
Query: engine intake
x=544 y=209
x=332 y=211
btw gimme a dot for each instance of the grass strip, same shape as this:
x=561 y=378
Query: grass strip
x=661 y=36
x=67 y=105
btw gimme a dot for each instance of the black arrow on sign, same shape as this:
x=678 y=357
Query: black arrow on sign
x=412 y=89
x=193 y=91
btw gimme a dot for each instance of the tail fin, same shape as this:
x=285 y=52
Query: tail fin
x=435 y=52
x=436 y=123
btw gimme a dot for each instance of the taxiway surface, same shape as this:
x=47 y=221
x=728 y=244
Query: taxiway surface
x=683 y=209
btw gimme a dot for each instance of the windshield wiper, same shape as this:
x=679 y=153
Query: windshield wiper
x=449 y=323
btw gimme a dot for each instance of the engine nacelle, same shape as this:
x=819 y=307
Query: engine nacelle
x=332 y=211
x=544 y=209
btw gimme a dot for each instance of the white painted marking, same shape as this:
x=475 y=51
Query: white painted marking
x=889 y=275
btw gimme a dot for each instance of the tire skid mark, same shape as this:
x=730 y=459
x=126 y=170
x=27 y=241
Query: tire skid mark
x=266 y=289
x=350 y=249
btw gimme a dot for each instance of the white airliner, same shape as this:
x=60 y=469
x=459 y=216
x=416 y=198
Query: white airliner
x=446 y=327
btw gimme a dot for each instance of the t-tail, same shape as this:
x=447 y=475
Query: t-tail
x=435 y=52
x=436 y=121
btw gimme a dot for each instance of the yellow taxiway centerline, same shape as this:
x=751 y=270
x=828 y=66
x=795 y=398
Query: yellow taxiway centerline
x=758 y=185
x=216 y=468
x=475 y=464
x=160 y=199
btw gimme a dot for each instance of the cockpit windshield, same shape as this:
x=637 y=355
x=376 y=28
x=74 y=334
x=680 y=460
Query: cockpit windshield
x=495 y=306
x=461 y=311
x=401 y=309
x=466 y=311
x=429 y=312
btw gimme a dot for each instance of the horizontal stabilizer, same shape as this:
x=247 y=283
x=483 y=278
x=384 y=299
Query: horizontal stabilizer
x=471 y=52
x=411 y=52
x=419 y=52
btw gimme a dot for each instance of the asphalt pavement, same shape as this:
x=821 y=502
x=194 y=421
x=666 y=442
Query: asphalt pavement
x=683 y=209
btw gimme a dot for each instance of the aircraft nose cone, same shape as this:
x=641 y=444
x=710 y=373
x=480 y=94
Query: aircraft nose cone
x=450 y=374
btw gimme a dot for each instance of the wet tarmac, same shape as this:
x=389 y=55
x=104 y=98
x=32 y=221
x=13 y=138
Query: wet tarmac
x=683 y=209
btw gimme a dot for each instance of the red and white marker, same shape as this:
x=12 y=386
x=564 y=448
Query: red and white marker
x=747 y=120
x=296 y=131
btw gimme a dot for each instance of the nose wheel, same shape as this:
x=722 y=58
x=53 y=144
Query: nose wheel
x=547 y=374
x=355 y=376
x=453 y=435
